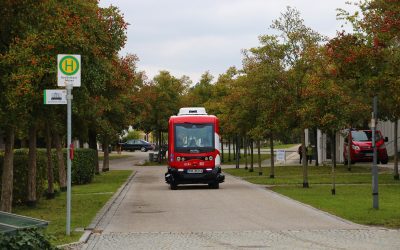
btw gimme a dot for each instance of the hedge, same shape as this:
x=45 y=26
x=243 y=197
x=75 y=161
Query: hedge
x=83 y=166
x=83 y=170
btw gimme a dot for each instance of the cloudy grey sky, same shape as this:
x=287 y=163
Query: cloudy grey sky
x=189 y=37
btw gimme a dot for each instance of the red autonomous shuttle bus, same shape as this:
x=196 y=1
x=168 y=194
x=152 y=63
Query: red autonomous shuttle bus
x=194 y=149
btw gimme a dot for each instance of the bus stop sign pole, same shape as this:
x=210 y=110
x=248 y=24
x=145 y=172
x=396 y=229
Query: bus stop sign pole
x=69 y=76
x=69 y=131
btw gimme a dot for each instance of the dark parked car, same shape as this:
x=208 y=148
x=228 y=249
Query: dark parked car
x=133 y=145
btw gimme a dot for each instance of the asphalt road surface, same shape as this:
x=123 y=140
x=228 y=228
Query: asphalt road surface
x=239 y=215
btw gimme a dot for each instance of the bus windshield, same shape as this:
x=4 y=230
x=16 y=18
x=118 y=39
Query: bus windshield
x=194 y=137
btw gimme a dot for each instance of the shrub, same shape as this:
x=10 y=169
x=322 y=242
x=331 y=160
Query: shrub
x=25 y=239
x=83 y=165
x=83 y=170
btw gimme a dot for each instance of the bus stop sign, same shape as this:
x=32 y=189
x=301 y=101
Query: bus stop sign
x=68 y=70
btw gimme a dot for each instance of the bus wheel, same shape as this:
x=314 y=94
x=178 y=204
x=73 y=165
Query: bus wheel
x=214 y=185
x=173 y=186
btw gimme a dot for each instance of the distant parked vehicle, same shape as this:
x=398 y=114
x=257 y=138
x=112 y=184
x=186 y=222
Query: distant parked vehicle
x=361 y=147
x=136 y=144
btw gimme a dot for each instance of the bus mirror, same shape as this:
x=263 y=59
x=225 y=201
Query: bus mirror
x=386 y=139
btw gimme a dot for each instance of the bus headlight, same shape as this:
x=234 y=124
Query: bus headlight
x=178 y=158
x=210 y=158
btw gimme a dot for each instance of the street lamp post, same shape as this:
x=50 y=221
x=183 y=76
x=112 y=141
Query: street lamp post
x=375 y=196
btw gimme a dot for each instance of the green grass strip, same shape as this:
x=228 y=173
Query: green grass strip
x=86 y=201
x=353 y=199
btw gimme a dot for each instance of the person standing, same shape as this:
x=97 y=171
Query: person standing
x=309 y=152
x=300 y=152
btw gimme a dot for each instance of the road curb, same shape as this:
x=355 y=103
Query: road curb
x=99 y=216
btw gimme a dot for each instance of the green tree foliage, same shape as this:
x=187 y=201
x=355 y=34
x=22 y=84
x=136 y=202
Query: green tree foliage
x=216 y=105
x=132 y=134
x=158 y=100
x=200 y=93
x=36 y=32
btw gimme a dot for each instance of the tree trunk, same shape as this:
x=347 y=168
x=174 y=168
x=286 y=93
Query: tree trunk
x=251 y=156
x=237 y=151
x=106 y=160
x=259 y=157
x=32 y=167
x=50 y=174
x=333 y=143
x=93 y=145
x=222 y=150
x=229 y=149
x=348 y=150
x=396 y=160
x=234 y=146
x=8 y=170
x=334 y=149
x=62 y=175
x=159 y=146
x=305 y=161
x=316 y=147
x=271 y=144
x=245 y=153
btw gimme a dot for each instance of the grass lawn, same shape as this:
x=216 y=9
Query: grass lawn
x=282 y=146
x=86 y=201
x=113 y=156
x=353 y=199
x=242 y=158
x=164 y=162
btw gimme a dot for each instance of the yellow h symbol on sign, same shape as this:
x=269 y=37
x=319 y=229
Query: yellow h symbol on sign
x=69 y=65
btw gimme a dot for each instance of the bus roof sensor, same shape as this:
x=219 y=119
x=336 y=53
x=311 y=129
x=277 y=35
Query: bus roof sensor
x=192 y=111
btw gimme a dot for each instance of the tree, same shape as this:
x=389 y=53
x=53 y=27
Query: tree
x=15 y=82
x=297 y=39
x=265 y=69
x=35 y=34
x=380 y=22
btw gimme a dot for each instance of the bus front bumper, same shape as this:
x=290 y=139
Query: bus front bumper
x=186 y=176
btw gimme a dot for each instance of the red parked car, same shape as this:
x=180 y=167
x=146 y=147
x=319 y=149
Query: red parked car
x=361 y=147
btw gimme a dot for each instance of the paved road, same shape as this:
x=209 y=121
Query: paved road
x=147 y=215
